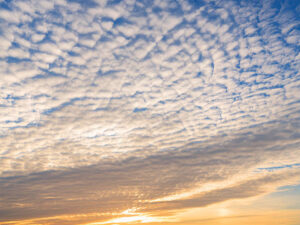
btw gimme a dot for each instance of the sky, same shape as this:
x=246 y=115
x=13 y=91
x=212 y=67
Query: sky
x=154 y=112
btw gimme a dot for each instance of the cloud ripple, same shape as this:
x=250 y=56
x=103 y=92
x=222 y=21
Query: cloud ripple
x=132 y=101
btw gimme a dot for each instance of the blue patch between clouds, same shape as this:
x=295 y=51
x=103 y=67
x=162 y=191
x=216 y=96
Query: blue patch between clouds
x=280 y=167
x=5 y=4
x=85 y=3
x=196 y=3
x=140 y=110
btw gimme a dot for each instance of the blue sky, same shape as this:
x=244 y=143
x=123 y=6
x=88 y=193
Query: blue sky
x=195 y=95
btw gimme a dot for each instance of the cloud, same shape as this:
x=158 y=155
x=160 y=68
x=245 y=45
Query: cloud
x=250 y=188
x=186 y=92
x=117 y=184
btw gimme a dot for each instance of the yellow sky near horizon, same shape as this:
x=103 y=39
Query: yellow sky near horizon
x=263 y=210
x=277 y=217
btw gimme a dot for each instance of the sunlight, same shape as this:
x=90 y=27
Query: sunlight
x=140 y=219
x=130 y=216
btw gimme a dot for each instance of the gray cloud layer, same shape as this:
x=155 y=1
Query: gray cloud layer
x=116 y=184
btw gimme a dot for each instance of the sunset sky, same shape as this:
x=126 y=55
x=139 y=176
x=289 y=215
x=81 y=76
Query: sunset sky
x=153 y=112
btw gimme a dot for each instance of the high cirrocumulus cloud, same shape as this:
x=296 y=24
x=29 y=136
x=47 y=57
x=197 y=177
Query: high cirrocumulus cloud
x=155 y=106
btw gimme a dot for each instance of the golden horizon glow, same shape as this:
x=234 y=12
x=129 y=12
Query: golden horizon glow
x=141 y=219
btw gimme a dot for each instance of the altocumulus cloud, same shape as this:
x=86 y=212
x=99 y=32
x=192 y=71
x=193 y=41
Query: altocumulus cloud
x=111 y=105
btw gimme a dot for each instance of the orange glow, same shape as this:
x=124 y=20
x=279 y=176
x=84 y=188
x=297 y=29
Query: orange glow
x=140 y=219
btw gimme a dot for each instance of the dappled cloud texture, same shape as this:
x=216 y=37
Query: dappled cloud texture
x=148 y=106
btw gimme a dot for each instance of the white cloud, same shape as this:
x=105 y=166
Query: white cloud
x=80 y=86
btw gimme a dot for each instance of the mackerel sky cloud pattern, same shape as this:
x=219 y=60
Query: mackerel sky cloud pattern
x=145 y=104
